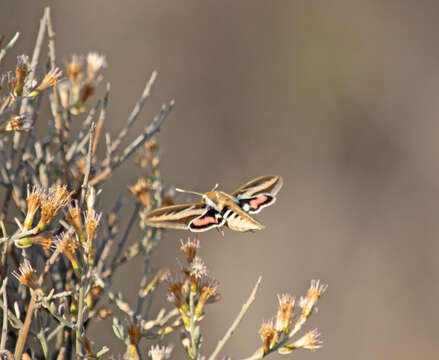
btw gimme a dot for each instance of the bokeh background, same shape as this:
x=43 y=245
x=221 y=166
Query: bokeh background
x=338 y=97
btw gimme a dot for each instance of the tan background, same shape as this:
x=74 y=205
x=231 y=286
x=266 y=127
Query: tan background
x=338 y=97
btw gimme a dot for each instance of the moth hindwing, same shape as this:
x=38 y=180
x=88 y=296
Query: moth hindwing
x=218 y=208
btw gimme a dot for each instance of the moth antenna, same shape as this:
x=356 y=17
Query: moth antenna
x=215 y=187
x=188 y=191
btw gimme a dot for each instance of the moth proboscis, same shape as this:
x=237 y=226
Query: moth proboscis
x=217 y=208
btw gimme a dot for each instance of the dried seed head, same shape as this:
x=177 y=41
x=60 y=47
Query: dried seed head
x=175 y=288
x=26 y=275
x=21 y=71
x=34 y=199
x=73 y=216
x=87 y=346
x=57 y=198
x=160 y=352
x=66 y=244
x=197 y=268
x=91 y=224
x=208 y=289
x=91 y=199
x=95 y=62
x=86 y=92
x=190 y=248
x=311 y=341
x=269 y=335
x=314 y=292
x=17 y=123
x=134 y=332
x=50 y=80
x=45 y=240
x=142 y=190
x=284 y=313
x=75 y=69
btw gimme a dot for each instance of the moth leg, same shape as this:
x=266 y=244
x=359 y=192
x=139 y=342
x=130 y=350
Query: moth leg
x=220 y=230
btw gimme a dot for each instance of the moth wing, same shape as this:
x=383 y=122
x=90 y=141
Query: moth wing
x=258 y=193
x=261 y=185
x=209 y=219
x=175 y=216
x=238 y=220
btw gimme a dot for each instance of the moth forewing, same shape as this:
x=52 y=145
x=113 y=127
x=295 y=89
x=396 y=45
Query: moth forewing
x=176 y=216
x=263 y=184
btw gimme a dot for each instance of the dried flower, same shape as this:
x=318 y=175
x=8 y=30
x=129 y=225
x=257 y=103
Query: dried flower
x=134 y=332
x=91 y=224
x=50 y=80
x=45 y=240
x=86 y=92
x=269 y=335
x=284 y=313
x=17 y=123
x=66 y=244
x=21 y=71
x=95 y=62
x=57 y=198
x=160 y=352
x=175 y=288
x=87 y=346
x=190 y=248
x=197 y=268
x=26 y=275
x=73 y=216
x=314 y=292
x=34 y=199
x=207 y=290
x=75 y=69
x=91 y=199
x=308 y=341
x=142 y=190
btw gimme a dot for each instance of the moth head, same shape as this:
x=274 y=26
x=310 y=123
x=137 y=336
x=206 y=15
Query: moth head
x=210 y=198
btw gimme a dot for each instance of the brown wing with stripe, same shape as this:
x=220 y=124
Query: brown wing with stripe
x=238 y=220
x=262 y=184
x=176 y=216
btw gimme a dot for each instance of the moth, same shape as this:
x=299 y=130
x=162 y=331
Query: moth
x=217 y=208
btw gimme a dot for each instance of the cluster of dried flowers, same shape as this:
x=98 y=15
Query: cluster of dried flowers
x=64 y=251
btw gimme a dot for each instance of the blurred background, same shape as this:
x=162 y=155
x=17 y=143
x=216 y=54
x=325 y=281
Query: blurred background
x=339 y=97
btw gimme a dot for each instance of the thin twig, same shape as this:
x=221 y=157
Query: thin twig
x=24 y=332
x=136 y=111
x=5 y=315
x=55 y=102
x=122 y=242
x=83 y=133
x=150 y=130
x=9 y=45
x=236 y=322
x=88 y=164
x=101 y=119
